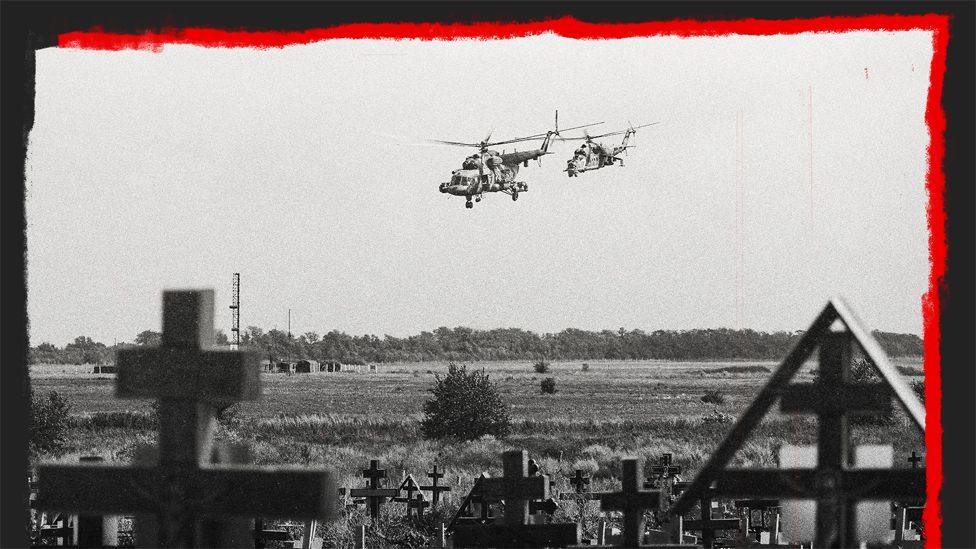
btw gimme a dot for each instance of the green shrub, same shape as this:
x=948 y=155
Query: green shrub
x=541 y=367
x=50 y=422
x=713 y=397
x=585 y=367
x=465 y=405
x=548 y=385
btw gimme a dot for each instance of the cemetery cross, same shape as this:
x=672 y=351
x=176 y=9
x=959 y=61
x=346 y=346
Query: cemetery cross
x=433 y=487
x=632 y=501
x=373 y=493
x=516 y=488
x=191 y=381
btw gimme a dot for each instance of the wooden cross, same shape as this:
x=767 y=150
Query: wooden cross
x=373 y=494
x=632 y=501
x=191 y=381
x=516 y=488
x=433 y=487
x=834 y=485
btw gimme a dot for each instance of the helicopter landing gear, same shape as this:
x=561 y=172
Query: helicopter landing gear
x=468 y=204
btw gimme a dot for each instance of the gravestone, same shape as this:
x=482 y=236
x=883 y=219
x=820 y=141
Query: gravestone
x=833 y=484
x=191 y=381
x=516 y=488
x=373 y=493
x=434 y=488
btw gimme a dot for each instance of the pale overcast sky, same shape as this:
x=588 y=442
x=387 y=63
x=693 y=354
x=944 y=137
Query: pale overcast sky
x=300 y=168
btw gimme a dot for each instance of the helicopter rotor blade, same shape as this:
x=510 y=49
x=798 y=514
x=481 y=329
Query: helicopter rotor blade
x=581 y=127
x=456 y=143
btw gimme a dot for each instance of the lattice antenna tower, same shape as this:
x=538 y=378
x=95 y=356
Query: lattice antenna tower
x=235 y=308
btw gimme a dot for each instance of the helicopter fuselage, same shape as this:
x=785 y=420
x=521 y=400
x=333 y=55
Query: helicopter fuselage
x=489 y=172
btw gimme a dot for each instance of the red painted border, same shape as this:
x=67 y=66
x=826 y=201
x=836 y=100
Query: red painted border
x=569 y=27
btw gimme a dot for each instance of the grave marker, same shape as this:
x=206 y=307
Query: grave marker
x=417 y=504
x=409 y=486
x=433 y=487
x=516 y=488
x=836 y=487
x=580 y=483
x=632 y=501
x=191 y=381
x=374 y=495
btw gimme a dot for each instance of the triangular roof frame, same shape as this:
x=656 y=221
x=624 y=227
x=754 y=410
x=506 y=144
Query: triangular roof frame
x=836 y=309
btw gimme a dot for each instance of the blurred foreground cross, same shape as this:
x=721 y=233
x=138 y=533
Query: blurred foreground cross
x=191 y=380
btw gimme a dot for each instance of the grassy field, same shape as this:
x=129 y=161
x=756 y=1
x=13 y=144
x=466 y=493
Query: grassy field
x=343 y=420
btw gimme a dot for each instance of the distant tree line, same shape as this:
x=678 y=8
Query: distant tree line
x=466 y=344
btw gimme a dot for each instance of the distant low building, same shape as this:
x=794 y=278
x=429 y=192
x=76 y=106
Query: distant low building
x=306 y=366
x=331 y=366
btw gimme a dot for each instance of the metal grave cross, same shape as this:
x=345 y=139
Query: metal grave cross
x=516 y=488
x=580 y=495
x=632 y=501
x=662 y=470
x=191 y=381
x=433 y=487
x=835 y=486
x=373 y=494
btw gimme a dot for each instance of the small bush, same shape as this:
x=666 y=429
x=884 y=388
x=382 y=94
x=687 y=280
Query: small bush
x=541 y=367
x=713 y=397
x=585 y=367
x=50 y=422
x=717 y=418
x=465 y=405
x=548 y=385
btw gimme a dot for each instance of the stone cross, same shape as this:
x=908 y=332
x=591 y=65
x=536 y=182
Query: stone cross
x=373 y=494
x=516 y=488
x=191 y=381
x=433 y=487
x=632 y=501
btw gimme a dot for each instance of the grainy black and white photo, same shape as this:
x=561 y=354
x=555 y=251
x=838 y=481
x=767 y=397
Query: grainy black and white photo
x=527 y=291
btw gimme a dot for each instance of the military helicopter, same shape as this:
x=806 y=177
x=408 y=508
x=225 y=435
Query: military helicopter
x=491 y=171
x=592 y=155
